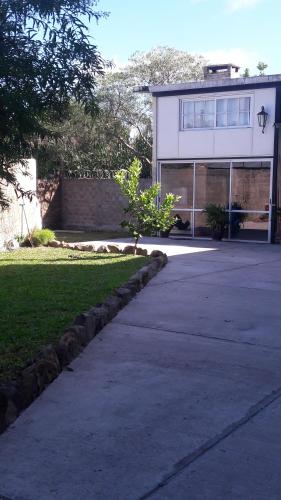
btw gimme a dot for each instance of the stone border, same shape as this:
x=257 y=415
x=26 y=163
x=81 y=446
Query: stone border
x=16 y=395
x=101 y=248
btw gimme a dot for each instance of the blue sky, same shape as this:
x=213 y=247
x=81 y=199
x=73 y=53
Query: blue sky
x=239 y=31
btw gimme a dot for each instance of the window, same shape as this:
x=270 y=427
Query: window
x=212 y=113
x=198 y=114
x=233 y=112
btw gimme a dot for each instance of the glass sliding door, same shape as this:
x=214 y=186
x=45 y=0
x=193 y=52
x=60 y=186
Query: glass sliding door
x=212 y=182
x=250 y=200
x=178 y=178
x=242 y=187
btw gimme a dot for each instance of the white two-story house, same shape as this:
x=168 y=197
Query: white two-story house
x=216 y=141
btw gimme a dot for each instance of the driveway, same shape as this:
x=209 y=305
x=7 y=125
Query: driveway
x=178 y=398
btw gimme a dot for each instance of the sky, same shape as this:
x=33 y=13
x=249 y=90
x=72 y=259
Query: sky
x=243 y=32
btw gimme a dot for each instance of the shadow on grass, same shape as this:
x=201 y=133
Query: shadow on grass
x=38 y=301
x=70 y=257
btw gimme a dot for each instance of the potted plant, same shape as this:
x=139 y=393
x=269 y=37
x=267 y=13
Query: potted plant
x=236 y=218
x=217 y=220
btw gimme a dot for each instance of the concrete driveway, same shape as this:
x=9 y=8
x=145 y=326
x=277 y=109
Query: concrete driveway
x=178 y=398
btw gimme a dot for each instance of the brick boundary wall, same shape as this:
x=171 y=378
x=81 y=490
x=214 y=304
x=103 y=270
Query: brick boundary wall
x=49 y=195
x=91 y=204
x=82 y=204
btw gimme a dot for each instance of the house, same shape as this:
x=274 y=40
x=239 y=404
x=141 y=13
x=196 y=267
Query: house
x=217 y=141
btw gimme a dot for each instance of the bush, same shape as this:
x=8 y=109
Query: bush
x=216 y=220
x=144 y=217
x=39 y=237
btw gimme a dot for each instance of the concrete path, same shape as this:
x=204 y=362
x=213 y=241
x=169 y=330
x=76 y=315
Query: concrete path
x=178 y=398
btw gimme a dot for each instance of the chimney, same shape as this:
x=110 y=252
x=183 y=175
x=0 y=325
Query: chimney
x=220 y=71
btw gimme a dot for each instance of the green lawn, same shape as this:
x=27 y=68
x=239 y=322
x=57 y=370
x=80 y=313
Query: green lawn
x=77 y=236
x=43 y=289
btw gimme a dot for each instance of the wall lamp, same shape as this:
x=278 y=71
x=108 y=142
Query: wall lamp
x=262 y=118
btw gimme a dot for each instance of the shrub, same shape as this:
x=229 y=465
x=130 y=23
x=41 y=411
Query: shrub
x=39 y=237
x=217 y=220
x=144 y=217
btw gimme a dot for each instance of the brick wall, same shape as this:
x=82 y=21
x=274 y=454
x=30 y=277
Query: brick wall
x=91 y=204
x=49 y=195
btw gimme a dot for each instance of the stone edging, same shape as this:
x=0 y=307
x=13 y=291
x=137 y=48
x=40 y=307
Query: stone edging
x=16 y=395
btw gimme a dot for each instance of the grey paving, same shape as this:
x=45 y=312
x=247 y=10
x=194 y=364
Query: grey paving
x=179 y=397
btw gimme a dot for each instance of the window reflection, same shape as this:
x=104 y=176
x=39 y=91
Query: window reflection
x=250 y=185
x=212 y=184
x=178 y=179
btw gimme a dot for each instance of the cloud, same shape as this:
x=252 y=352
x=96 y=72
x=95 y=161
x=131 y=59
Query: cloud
x=234 y=5
x=241 y=57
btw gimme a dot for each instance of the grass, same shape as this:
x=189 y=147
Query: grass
x=77 y=236
x=43 y=289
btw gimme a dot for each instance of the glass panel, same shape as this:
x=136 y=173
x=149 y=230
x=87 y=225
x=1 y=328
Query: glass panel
x=250 y=185
x=212 y=184
x=244 y=104
x=232 y=112
x=183 y=224
x=222 y=120
x=187 y=121
x=177 y=178
x=245 y=226
x=244 y=118
x=232 y=119
x=200 y=228
x=232 y=105
x=188 y=108
x=221 y=105
x=203 y=121
x=204 y=114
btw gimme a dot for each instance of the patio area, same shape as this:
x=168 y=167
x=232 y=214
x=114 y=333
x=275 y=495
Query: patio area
x=178 y=397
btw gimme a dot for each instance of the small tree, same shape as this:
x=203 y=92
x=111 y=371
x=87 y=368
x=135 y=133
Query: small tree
x=144 y=217
x=262 y=67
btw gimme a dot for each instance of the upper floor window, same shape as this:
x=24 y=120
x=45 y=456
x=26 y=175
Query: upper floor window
x=216 y=113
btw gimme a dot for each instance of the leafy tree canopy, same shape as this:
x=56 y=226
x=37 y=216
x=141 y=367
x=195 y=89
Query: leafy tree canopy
x=164 y=65
x=122 y=129
x=46 y=60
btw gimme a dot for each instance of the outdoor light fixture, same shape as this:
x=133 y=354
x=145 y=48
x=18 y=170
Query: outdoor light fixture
x=262 y=118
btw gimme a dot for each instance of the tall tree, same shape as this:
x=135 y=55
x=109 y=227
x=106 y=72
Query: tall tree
x=122 y=128
x=165 y=65
x=46 y=59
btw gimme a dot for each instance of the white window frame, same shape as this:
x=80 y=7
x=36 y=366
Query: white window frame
x=215 y=99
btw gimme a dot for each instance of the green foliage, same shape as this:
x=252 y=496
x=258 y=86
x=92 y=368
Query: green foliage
x=40 y=237
x=144 y=217
x=262 y=67
x=165 y=65
x=122 y=129
x=46 y=59
x=48 y=288
x=246 y=73
x=217 y=219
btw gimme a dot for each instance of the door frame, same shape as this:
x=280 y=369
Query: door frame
x=193 y=210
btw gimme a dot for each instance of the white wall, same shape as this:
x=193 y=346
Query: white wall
x=12 y=221
x=215 y=143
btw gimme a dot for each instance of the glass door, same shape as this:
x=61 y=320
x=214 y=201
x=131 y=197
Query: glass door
x=177 y=178
x=212 y=185
x=250 y=200
x=242 y=187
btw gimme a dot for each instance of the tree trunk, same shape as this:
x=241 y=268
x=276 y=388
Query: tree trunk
x=135 y=247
